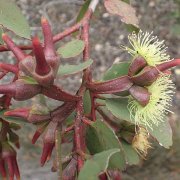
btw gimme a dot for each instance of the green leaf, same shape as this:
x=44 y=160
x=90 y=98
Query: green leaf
x=87 y=102
x=15 y=120
x=163 y=133
x=118 y=107
x=12 y=19
x=117 y=70
x=1 y=40
x=126 y=12
x=132 y=28
x=71 y=49
x=97 y=164
x=28 y=80
x=83 y=10
x=0 y=125
x=100 y=137
x=72 y=69
x=130 y=154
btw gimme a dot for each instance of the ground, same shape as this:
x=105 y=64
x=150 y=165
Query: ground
x=107 y=34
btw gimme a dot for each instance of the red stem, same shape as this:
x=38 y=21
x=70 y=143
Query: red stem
x=168 y=65
x=79 y=139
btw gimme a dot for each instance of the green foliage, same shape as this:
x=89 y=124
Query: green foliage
x=1 y=31
x=116 y=70
x=12 y=19
x=101 y=137
x=118 y=107
x=162 y=133
x=71 y=49
x=73 y=69
x=130 y=154
x=83 y=10
x=97 y=164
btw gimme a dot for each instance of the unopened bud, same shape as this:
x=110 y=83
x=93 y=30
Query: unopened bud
x=137 y=65
x=141 y=94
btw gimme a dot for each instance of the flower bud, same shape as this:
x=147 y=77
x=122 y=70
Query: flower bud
x=28 y=67
x=19 y=90
x=146 y=77
x=141 y=94
x=9 y=156
x=137 y=64
x=49 y=48
x=40 y=129
x=49 y=142
x=119 y=84
x=26 y=114
x=25 y=91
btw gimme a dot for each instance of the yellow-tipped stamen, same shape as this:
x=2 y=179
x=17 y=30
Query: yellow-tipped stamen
x=160 y=100
x=149 y=47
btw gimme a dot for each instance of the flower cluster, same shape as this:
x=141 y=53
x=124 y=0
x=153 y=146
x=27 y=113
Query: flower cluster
x=160 y=89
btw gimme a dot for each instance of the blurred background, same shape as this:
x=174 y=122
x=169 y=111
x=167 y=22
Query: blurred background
x=107 y=34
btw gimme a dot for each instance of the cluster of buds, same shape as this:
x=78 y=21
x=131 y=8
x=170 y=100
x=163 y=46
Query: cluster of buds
x=41 y=66
x=46 y=124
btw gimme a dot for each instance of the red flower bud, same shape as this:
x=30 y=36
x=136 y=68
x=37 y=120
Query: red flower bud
x=141 y=94
x=42 y=68
x=49 y=142
x=9 y=156
x=112 y=86
x=146 y=77
x=19 y=90
x=41 y=128
x=26 y=114
x=49 y=49
x=137 y=64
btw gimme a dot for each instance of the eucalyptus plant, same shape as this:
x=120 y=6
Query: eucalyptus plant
x=108 y=122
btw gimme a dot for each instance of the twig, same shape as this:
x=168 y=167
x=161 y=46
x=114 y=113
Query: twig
x=58 y=152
